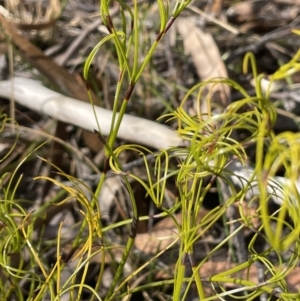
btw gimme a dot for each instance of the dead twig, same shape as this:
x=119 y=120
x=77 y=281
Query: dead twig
x=63 y=58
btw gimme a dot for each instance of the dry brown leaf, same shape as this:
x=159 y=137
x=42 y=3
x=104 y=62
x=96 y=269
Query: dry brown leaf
x=152 y=243
x=162 y=235
x=206 y=57
x=286 y=2
x=245 y=10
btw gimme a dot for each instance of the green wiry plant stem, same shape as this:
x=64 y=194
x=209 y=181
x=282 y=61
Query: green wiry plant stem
x=134 y=73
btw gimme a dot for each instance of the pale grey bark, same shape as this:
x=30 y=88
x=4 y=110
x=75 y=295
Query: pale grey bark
x=32 y=94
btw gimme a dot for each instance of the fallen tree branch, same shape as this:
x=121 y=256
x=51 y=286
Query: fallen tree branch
x=33 y=95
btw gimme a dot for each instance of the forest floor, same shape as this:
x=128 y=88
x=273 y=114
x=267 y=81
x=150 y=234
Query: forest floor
x=209 y=40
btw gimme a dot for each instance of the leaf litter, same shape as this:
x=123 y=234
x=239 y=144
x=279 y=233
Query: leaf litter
x=197 y=53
